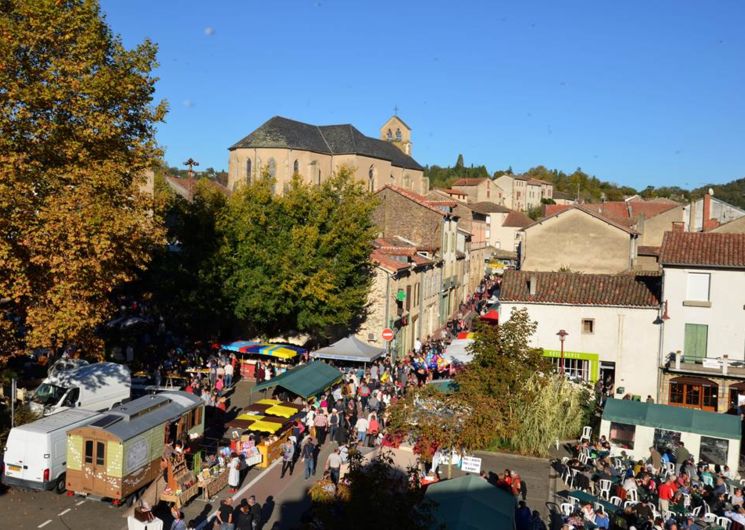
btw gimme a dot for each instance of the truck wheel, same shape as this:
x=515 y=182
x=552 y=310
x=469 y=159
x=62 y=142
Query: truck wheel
x=59 y=486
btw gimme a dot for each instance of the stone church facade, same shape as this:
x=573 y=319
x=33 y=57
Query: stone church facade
x=284 y=147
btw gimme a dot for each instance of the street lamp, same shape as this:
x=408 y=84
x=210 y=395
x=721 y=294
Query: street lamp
x=562 y=336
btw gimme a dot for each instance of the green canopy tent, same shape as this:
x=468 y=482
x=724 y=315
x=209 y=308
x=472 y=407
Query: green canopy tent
x=634 y=426
x=305 y=380
x=471 y=503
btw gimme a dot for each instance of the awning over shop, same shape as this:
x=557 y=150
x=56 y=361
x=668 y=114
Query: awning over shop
x=470 y=502
x=237 y=345
x=349 y=349
x=491 y=316
x=278 y=351
x=679 y=419
x=305 y=380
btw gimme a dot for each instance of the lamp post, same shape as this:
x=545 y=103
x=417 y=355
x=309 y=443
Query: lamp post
x=562 y=336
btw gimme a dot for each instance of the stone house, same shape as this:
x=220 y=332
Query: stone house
x=580 y=240
x=432 y=227
x=479 y=189
x=702 y=351
x=610 y=321
x=523 y=193
x=285 y=147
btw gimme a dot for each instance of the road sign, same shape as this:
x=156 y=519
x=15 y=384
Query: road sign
x=471 y=464
x=387 y=334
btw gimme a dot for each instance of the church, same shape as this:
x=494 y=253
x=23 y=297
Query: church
x=284 y=147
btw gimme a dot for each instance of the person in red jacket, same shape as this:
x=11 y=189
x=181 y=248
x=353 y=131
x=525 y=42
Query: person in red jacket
x=666 y=492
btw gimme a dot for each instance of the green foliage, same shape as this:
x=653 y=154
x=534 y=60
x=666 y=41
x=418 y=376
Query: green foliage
x=378 y=495
x=535 y=213
x=590 y=188
x=443 y=177
x=556 y=412
x=299 y=262
x=732 y=192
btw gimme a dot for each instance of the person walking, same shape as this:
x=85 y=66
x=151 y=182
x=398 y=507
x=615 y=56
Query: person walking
x=333 y=424
x=254 y=509
x=333 y=465
x=225 y=514
x=234 y=473
x=321 y=422
x=244 y=520
x=288 y=457
x=228 y=375
x=361 y=427
x=308 y=454
x=178 y=519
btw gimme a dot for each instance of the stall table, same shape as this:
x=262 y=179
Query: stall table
x=212 y=485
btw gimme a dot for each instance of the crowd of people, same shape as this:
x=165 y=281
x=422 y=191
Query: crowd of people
x=666 y=491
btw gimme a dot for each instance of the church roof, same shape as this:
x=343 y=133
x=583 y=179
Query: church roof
x=283 y=133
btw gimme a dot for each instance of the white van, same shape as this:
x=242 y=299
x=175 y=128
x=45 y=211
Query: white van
x=36 y=453
x=98 y=386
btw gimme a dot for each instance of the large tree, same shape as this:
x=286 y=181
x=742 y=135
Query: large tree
x=300 y=261
x=76 y=135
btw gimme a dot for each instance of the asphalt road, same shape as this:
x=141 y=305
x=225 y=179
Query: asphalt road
x=30 y=510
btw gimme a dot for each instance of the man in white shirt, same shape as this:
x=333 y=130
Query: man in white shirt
x=361 y=427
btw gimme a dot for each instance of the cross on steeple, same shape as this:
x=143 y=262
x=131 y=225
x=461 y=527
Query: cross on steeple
x=395 y=110
x=191 y=163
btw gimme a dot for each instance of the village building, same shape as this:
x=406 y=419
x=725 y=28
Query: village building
x=609 y=320
x=523 y=193
x=283 y=147
x=709 y=212
x=479 y=189
x=702 y=350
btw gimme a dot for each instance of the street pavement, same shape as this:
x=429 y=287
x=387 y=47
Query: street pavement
x=283 y=500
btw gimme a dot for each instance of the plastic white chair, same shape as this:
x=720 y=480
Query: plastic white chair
x=629 y=503
x=670 y=467
x=566 y=509
x=604 y=486
x=586 y=433
x=632 y=496
x=583 y=458
x=574 y=501
x=710 y=517
x=686 y=500
x=724 y=522
x=616 y=500
x=696 y=511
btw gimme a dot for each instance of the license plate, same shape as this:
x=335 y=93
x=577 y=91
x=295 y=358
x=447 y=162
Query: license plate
x=13 y=468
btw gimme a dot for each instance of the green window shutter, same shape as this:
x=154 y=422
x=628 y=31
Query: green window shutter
x=696 y=341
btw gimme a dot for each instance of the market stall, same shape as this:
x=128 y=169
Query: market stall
x=634 y=427
x=306 y=380
x=349 y=349
x=471 y=502
x=252 y=352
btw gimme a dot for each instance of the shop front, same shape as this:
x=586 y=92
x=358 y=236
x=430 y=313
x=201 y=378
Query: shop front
x=577 y=365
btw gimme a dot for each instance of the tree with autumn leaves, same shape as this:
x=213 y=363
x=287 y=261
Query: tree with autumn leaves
x=77 y=123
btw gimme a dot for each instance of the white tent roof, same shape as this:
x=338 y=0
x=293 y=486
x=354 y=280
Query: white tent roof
x=349 y=349
x=457 y=351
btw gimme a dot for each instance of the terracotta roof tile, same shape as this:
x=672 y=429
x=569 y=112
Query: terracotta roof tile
x=559 y=209
x=645 y=250
x=387 y=262
x=419 y=199
x=571 y=288
x=485 y=207
x=703 y=249
x=517 y=219
x=469 y=182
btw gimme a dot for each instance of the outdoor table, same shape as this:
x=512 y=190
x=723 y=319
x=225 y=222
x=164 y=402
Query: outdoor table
x=582 y=496
x=211 y=485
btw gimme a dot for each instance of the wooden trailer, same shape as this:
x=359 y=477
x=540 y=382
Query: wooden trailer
x=119 y=454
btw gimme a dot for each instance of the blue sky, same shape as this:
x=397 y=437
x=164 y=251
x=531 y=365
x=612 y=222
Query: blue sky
x=633 y=91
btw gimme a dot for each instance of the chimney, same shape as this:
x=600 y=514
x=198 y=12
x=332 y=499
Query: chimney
x=708 y=223
x=532 y=284
x=692 y=217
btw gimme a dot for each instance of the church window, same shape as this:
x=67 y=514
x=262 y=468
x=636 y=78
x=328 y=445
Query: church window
x=319 y=176
x=398 y=135
x=296 y=167
x=389 y=135
x=248 y=171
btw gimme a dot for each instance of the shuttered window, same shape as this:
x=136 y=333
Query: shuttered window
x=696 y=339
x=697 y=288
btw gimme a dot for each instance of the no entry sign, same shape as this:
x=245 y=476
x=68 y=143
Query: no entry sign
x=387 y=334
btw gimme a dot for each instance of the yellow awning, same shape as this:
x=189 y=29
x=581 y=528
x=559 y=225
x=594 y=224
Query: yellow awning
x=281 y=411
x=269 y=402
x=250 y=417
x=265 y=426
x=280 y=352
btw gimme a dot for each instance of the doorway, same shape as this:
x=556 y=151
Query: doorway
x=94 y=463
x=608 y=375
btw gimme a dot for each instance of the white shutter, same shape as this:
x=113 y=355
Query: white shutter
x=698 y=287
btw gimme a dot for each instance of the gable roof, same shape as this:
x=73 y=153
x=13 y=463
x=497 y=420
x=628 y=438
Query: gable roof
x=517 y=220
x=187 y=187
x=421 y=200
x=283 y=133
x=703 y=249
x=572 y=288
x=469 y=181
x=560 y=209
x=397 y=117
x=485 y=207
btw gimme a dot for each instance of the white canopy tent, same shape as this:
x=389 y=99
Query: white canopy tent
x=458 y=352
x=349 y=349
